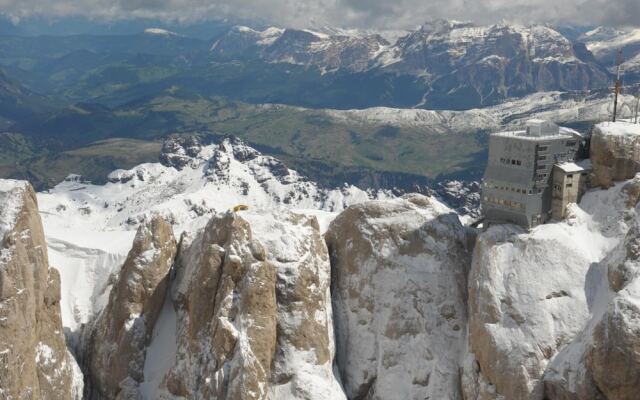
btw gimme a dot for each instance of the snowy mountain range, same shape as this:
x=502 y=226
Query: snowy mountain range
x=458 y=60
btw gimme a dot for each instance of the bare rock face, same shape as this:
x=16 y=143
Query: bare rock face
x=250 y=312
x=34 y=361
x=225 y=300
x=118 y=338
x=180 y=151
x=399 y=290
x=615 y=152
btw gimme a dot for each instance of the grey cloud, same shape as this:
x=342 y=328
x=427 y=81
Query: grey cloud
x=347 y=13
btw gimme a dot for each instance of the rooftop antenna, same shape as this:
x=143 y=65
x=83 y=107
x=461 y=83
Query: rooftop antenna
x=618 y=85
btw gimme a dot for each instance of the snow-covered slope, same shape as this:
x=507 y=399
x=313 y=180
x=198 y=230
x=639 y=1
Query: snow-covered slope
x=160 y=32
x=556 y=106
x=90 y=227
x=605 y=43
x=602 y=41
x=332 y=49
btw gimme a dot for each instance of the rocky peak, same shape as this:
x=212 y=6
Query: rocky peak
x=180 y=151
x=115 y=344
x=224 y=297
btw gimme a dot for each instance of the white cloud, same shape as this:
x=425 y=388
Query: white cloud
x=347 y=13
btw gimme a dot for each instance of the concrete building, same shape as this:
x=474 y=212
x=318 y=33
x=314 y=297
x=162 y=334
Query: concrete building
x=518 y=182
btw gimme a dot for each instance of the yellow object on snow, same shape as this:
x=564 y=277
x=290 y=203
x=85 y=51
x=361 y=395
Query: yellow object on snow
x=240 y=207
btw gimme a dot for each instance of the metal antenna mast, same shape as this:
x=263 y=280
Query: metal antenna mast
x=618 y=85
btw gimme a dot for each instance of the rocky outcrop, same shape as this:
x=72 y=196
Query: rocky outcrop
x=180 y=151
x=530 y=297
x=615 y=152
x=399 y=289
x=34 y=360
x=225 y=300
x=614 y=359
x=253 y=311
x=302 y=367
x=117 y=340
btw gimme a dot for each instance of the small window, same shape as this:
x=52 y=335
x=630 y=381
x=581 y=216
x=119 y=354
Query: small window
x=542 y=166
x=518 y=162
x=570 y=176
x=543 y=148
x=569 y=185
x=542 y=158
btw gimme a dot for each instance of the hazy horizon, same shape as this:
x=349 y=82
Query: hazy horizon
x=370 y=14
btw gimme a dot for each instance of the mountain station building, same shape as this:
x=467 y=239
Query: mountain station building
x=532 y=174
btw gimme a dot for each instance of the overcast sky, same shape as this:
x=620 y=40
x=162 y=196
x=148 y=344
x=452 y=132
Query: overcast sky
x=344 y=13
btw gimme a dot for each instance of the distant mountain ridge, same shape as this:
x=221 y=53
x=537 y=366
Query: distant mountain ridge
x=462 y=64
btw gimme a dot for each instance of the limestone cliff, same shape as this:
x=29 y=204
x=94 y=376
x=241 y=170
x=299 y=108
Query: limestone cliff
x=251 y=313
x=399 y=291
x=34 y=360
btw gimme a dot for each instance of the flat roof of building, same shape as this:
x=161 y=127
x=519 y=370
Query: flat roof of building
x=578 y=166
